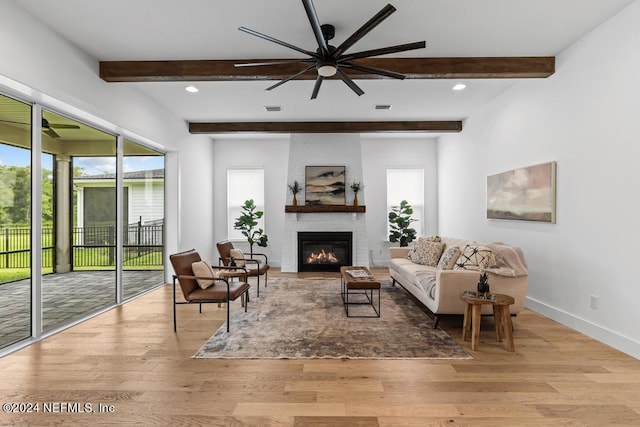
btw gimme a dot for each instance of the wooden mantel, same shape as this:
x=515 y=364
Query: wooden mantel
x=324 y=208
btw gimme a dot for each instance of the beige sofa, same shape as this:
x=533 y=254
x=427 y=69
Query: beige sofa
x=439 y=289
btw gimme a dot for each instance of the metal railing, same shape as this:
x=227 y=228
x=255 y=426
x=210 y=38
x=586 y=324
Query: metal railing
x=96 y=246
x=15 y=247
x=92 y=246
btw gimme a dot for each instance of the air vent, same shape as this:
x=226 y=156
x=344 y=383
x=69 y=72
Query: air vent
x=383 y=106
x=273 y=108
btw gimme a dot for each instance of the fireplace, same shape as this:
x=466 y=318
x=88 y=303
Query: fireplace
x=324 y=250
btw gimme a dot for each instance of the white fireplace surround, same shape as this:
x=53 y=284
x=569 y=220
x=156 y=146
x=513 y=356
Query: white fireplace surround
x=324 y=150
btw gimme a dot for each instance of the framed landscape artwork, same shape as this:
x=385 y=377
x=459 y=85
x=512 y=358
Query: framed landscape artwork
x=525 y=194
x=324 y=185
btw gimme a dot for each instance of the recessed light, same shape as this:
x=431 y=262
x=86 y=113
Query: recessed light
x=191 y=89
x=383 y=106
x=273 y=108
x=459 y=86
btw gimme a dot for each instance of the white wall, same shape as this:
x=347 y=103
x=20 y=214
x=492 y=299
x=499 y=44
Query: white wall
x=585 y=117
x=270 y=153
x=380 y=152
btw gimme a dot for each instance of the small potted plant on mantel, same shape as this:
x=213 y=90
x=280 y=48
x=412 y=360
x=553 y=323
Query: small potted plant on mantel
x=295 y=189
x=356 y=187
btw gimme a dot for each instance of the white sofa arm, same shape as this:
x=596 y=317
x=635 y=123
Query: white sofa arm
x=451 y=283
x=399 y=252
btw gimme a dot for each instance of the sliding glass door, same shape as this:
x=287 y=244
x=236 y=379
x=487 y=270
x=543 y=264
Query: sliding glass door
x=84 y=219
x=143 y=219
x=15 y=221
x=95 y=218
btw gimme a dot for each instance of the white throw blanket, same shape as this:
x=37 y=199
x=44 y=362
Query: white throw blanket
x=509 y=261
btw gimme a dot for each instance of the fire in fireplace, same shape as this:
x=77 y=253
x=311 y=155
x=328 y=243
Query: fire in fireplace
x=323 y=258
x=324 y=250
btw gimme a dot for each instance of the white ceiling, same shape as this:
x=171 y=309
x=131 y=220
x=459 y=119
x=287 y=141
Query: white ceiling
x=206 y=29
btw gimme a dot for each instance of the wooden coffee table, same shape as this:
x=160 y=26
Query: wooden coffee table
x=472 y=316
x=355 y=280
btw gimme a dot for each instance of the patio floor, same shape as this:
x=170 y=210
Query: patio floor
x=65 y=297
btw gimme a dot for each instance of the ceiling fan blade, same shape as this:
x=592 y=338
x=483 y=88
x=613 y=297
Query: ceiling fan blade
x=13 y=123
x=291 y=77
x=362 y=31
x=354 y=87
x=384 y=51
x=63 y=126
x=374 y=70
x=315 y=25
x=257 y=64
x=316 y=87
x=280 y=42
x=52 y=133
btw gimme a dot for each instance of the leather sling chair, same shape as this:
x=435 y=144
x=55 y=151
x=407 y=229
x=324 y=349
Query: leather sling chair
x=222 y=289
x=255 y=268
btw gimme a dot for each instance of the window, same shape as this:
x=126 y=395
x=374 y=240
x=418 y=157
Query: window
x=242 y=185
x=407 y=184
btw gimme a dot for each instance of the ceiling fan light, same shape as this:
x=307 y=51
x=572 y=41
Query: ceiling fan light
x=327 y=70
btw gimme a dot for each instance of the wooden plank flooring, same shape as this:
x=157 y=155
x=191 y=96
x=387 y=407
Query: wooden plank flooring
x=129 y=361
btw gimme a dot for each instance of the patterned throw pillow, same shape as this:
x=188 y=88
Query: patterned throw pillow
x=449 y=258
x=426 y=252
x=475 y=257
x=203 y=269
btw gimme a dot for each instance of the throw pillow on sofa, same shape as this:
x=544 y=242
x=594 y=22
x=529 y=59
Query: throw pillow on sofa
x=426 y=252
x=449 y=258
x=475 y=257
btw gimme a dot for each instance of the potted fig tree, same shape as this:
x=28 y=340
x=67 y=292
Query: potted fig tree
x=399 y=222
x=247 y=223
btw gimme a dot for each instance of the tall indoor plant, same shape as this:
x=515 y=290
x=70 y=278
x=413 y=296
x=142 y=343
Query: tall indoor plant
x=399 y=221
x=247 y=223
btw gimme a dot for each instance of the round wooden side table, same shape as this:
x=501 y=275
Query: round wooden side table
x=472 y=316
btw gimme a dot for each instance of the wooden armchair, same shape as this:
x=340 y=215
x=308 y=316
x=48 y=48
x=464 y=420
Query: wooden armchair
x=222 y=289
x=255 y=268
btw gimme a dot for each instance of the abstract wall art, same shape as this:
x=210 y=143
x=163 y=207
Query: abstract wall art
x=525 y=194
x=325 y=185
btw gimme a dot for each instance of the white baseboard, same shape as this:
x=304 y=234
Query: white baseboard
x=607 y=336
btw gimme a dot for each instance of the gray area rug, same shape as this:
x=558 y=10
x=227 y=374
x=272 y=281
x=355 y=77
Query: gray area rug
x=305 y=318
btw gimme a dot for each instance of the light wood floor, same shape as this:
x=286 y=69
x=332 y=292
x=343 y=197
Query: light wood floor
x=130 y=358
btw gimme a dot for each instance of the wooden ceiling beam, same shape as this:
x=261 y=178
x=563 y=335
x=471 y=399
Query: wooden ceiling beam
x=325 y=127
x=413 y=68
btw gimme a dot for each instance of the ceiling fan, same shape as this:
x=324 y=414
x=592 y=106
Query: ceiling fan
x=47 y=127
x=329 y=60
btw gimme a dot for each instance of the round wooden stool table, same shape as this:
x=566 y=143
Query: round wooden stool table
x=472 y=315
